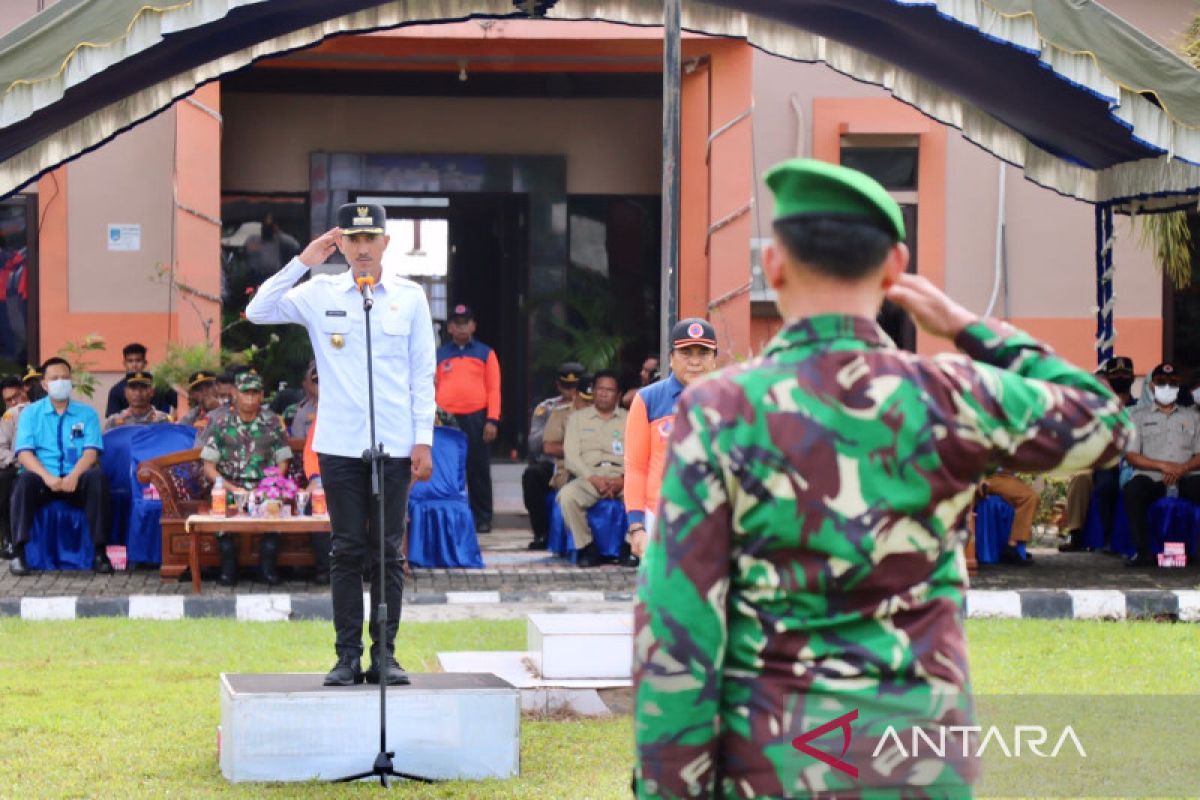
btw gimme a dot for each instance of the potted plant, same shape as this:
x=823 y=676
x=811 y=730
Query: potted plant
x=274 y=490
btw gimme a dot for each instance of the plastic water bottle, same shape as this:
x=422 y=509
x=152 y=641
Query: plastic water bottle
x=318 y=498
x=218 y=497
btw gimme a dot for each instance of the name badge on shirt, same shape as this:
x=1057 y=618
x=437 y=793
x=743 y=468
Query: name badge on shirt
x=335 y=313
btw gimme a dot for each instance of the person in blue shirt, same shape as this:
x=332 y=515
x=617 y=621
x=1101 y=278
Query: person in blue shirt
x=58 y=448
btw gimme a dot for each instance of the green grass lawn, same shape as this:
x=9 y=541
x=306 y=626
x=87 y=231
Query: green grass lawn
x=121 y=708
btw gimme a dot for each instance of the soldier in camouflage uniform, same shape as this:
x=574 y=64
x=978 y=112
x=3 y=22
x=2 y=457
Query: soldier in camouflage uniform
x=239 y=447
x=139 y=392
x=808 y=578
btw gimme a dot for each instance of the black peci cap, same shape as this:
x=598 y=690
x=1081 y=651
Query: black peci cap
x=355 y=218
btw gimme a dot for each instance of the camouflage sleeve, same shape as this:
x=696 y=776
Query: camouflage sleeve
x=1034 y=410
x=680 y=615
x=206 y=440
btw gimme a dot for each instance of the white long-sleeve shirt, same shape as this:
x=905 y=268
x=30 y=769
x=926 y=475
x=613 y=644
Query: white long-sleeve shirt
x=403 y=351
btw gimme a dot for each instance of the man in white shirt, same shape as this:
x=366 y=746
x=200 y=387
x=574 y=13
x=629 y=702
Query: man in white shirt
x=402 y=343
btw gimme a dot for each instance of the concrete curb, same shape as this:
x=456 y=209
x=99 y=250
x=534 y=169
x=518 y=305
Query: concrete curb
x=1090 y=604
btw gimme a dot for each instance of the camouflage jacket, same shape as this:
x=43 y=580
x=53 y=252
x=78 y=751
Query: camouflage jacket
x=808 y=572
x=243 y=451
x=127 y=417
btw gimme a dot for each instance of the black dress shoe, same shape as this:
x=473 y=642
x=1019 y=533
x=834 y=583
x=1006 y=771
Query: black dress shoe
x=627 y=558
x=346 y=672
x=588 y=557
x=483 y=527
x=18 y=566
x=1009 y=555
x=101 y=565
x=7 y=552
x=1074 y=544
x=1141 y=560
x=539 y=543
x=396 y=676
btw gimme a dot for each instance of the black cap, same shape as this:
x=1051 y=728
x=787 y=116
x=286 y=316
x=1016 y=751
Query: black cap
x=569 y=373
x=584 y=387
x=462 y=311
x=1165 y=370
x=200 y=377
x=1118 y=364
x=355 y=218
x=139 y=378
x=693 y=331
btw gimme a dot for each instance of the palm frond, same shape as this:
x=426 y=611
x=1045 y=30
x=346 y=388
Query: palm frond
x=1169 y=238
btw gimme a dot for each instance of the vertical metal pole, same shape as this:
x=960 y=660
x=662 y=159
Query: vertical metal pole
x=672 y=144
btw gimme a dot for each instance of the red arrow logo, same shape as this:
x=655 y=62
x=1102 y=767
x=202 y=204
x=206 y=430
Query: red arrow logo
x=801 y=743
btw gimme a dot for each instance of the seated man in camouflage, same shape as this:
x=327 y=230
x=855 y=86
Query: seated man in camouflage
x=594 y=451
x=139 y=394
x=239 y=447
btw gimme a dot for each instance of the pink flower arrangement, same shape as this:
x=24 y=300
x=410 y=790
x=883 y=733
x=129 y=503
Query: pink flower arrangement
x=275 y=485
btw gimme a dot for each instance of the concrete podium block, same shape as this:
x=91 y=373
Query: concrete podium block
x=582 y=646
x=538 y=695
x=288 y=727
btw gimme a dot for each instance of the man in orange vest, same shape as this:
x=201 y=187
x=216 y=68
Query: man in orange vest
x=468 y=386
x=651 y=418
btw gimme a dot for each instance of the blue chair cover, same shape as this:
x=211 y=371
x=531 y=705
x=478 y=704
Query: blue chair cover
x=1174 y=520
x=115 y=463
x=993 y=526
x=608 y=522
x=59 y=539
x=441 y=528
x=1094 y=535
x=144 y=543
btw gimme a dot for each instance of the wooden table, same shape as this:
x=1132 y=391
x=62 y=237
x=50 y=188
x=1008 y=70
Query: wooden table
x=206 y=523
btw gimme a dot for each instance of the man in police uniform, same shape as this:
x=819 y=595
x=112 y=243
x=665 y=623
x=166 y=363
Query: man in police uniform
x=15 y=399
x=239 y=448
x=808 y=568
x=139 y=390
x=299 y=416
x=535 y=481
x=331 y=308
x=202 y=399
x=594 y=452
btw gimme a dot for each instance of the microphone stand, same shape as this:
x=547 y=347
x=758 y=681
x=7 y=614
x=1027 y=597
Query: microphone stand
x=375 y=455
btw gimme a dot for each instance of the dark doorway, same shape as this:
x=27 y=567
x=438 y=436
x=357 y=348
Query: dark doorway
x=1181 y=310
x=489 y=271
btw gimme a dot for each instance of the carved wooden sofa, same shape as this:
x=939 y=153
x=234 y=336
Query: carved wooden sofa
x=179 y=479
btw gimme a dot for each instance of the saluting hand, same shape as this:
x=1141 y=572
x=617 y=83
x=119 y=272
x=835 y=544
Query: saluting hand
x=321 y=248
x=931 y=309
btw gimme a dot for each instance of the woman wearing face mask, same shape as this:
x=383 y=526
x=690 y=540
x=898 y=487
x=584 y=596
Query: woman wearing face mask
x=1167 y=453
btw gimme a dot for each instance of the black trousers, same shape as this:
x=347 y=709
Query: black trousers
x=535 y=485
x=355 y=543
x=479 y=465
x=1140 y=493
x=1106 y=487
x=91 y=494
x=8 y=478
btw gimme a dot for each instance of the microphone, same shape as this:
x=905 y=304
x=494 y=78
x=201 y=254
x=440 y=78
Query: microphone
x=366 y=285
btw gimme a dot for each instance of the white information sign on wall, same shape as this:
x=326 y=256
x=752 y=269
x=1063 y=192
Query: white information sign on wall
x=124 y=238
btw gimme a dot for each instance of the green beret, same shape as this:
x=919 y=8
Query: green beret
x=806 y=187
x=249 y=381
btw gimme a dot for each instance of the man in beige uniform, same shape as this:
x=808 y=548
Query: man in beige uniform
x=556 y=431
x=594 y=452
